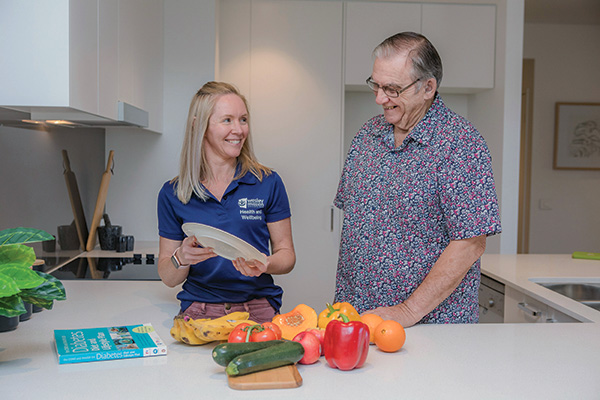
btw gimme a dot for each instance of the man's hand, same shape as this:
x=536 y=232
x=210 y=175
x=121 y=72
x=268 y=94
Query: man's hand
x=400 y=313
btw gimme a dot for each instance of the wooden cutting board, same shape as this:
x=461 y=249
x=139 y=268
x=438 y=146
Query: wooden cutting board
x=75 y=198
x=277 y=378
x=100 y=201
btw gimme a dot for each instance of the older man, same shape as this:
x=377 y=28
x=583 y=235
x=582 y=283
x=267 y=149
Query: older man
x=418 y=196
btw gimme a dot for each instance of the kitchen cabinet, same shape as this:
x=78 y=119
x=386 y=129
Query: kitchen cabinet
x=286 y=57
x=522 y=308
x=367 y=25
x=88 y=61
x=463 y=34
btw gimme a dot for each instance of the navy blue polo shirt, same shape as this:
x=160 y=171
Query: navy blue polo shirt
x=244 y=211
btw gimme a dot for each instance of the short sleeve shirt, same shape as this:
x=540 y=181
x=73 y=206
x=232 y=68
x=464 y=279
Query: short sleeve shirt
x=246 y=207
x=403 y=205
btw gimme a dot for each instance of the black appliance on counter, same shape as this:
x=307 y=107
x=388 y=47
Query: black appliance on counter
x=136 y=268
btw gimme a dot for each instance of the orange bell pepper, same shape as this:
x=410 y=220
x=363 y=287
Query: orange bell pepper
x=334 y=312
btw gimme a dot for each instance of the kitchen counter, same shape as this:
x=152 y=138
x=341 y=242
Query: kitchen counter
x=521 y=271
x=532 y=361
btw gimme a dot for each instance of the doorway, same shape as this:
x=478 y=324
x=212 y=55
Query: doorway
x=525 y=157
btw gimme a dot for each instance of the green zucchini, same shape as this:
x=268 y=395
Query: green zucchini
x=279 y=355
x=225 y=352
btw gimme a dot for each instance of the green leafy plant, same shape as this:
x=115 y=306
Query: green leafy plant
x=18 y=282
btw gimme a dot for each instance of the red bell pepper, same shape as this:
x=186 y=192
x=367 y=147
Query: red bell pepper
x=346 y=344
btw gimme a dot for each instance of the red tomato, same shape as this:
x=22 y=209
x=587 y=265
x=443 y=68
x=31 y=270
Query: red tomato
x=274 y=327
x=238 y=334
x=261 y=334
x=312 y=347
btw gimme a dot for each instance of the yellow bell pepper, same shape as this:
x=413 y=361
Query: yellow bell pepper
x=334 y=312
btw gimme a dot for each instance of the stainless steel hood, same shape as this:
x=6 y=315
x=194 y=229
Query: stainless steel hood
x=30 y=116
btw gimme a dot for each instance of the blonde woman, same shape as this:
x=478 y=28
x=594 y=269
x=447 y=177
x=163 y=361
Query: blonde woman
x=220 y=181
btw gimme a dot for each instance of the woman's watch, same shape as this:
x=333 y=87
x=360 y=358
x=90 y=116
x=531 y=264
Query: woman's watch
x=176 y=263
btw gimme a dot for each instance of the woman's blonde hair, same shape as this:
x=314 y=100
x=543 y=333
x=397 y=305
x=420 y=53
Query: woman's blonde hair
x=193 y=166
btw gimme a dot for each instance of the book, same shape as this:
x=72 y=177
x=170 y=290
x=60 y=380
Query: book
x=111 y=343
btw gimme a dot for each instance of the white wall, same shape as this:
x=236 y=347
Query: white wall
x=567 y=69
x=33 y=192
x=144 y=161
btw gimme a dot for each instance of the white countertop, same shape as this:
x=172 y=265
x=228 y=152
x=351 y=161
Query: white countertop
x=521 y=271
x=499 y=361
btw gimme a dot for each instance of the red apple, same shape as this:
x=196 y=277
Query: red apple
x=320 y=334
x=312 y=347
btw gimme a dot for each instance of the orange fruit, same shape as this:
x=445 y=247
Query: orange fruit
x=372 y=321
x=389 y=336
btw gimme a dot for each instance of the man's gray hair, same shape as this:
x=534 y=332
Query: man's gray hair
x=425 y=60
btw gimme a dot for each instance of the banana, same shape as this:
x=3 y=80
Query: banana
x=188 y=336
x=176 y=329
x=202 y=331
x=218 y=328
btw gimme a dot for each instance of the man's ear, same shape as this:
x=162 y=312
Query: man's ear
x=430 y=87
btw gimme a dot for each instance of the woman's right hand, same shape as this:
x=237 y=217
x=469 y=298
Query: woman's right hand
x=190 y=253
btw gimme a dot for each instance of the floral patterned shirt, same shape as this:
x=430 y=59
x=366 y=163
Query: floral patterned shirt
x=402 y=206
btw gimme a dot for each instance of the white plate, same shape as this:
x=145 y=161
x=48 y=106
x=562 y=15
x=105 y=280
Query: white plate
x=225 y=244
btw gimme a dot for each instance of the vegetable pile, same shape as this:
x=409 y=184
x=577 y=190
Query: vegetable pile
x=299 y=336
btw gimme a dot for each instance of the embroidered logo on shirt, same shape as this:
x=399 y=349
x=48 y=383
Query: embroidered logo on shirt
x=251 y=203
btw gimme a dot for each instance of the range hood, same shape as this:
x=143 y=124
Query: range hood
x=30 y=116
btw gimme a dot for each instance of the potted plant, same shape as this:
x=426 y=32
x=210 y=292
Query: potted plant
x=19 y=283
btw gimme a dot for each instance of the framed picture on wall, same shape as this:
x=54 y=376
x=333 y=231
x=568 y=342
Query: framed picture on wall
x=577 y=136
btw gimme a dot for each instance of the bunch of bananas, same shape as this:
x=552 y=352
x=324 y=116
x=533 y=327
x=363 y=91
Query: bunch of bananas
x=201 y=331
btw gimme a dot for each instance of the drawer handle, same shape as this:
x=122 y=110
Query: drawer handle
x=529 y=310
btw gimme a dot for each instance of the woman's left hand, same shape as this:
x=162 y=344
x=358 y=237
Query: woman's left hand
x=249 y=267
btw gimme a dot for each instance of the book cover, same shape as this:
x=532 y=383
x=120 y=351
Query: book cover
x=111 y=343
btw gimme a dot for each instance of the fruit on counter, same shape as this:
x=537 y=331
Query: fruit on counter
x=372 y=320
x=188 y=336
x=312 y=347
x=259 y=333
x=176 y=329
x=275 y=328
x=245 y=332
x=225 y=352
x=219 y=328
x=301 y=318
x=239 y=334
x=346 y=344
x=320 y=334
x=390 y=336
x=334 y=312
x=286 y=353
x=202 y=331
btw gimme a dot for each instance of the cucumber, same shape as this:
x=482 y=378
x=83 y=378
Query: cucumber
x=279 y=355
x=225 y=352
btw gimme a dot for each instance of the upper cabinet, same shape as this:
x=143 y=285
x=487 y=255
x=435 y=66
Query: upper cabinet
x=463 y=34
x=367 y=25
x=93 y=62
x=465 y=37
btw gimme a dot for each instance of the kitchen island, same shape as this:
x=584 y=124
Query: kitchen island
x=484 y=361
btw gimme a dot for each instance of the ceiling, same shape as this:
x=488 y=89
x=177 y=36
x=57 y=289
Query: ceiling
x=580 y=12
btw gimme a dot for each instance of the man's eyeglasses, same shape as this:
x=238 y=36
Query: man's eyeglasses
x=390 y=91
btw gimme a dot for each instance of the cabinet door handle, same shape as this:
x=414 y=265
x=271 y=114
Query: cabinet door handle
x=529 y=310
